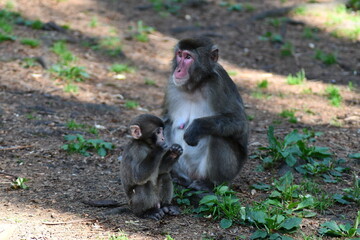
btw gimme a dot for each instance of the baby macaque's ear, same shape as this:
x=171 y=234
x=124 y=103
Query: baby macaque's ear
x=135 y=131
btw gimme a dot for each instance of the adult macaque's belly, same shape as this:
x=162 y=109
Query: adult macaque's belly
x=192 y=163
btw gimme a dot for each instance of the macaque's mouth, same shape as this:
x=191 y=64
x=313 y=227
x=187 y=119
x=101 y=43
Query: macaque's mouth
x=179 y=81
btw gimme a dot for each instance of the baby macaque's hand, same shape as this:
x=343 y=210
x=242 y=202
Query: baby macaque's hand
x=175 y=151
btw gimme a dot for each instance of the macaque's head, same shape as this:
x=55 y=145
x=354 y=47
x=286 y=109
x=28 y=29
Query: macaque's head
x=148 y=128
x=193 y=60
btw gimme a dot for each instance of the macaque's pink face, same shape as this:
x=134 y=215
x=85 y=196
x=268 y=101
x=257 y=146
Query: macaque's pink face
x=184 y=59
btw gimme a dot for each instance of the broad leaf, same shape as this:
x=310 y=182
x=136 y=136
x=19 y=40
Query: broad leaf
x=225 y=223
x=354 y=155
x=101 y=152
x=291 y=223
x=258 y=216
x=259 y=234
x=261 y=186
x=293 y=137
x=306 y=203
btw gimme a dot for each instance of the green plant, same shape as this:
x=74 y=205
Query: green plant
x=9 y=5
x=37 y=24
x=326 y=58
x=294 y=146
x=328 y=168
x=71 y=88
x=19 y=183
x=287 y=49
x=111 y=45
x=182 y=195
x=4 y=37
x=232 y=6
x=269 y=223
x=143 y=31
x=75 y=73
x=354 y=155
x=301 y=10
x=73 y=125
x=260 y=94
x=94 y=22
x=276 y=22
x=307 y=91
x=168 y=237
x=7 y=20
x=289 y=114
x=352 y=86
x=164 y=7
x=333 y=94
x=30 y=42
x=131 y=104
x=250 y=117
x=232 y=73
x=29 y=62
x=341 y=230
x=274 y=38
x=150 y=82
x=351 y=194
x=60 y=49
x=309 y=33
x=78 y=144
x=297 y=79
x=122 y=236
x=222 y=205
x=353 y=4
x=121 y=68
x=263 y=84
x=5 y=26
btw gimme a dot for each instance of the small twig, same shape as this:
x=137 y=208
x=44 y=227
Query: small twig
x=14 y=148
x=70 y=222
x=8 y=175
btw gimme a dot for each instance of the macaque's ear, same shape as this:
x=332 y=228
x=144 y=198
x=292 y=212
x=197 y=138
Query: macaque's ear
x=214 y=53
x=135 y=131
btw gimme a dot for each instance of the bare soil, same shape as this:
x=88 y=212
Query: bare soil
x=34 y=111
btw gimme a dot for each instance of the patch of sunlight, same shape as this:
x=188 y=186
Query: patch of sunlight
x=333 y=18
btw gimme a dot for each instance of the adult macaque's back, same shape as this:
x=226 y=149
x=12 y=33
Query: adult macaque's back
x=205 y=114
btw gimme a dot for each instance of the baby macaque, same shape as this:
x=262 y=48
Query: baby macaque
x=145 y=169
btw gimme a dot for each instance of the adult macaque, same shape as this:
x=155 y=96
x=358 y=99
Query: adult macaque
x=205 y=114
x=145 y=169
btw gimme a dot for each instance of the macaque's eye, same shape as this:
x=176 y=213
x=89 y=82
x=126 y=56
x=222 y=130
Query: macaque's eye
x=158 y=131
x=179 y=53
x=188 y=56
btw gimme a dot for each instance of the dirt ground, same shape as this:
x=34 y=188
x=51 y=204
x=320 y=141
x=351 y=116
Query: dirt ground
x=34 y=110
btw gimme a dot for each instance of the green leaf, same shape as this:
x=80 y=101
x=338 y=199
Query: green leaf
x=101 y=152
x=225 y=223
x=308 y=214
x=331 y=226
x=276 y=236
x=70 y=137
x=321 y=152
x=340 y=198
x=354 y=155
x=275 y=194
x=259 y=216
x=262 y=186
x=108 y=145
x=290 y=160
x=259 y=234
x=271 y=138
x=291 y=223
x=306 y=203
x=208 y=198
x=293 y=137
